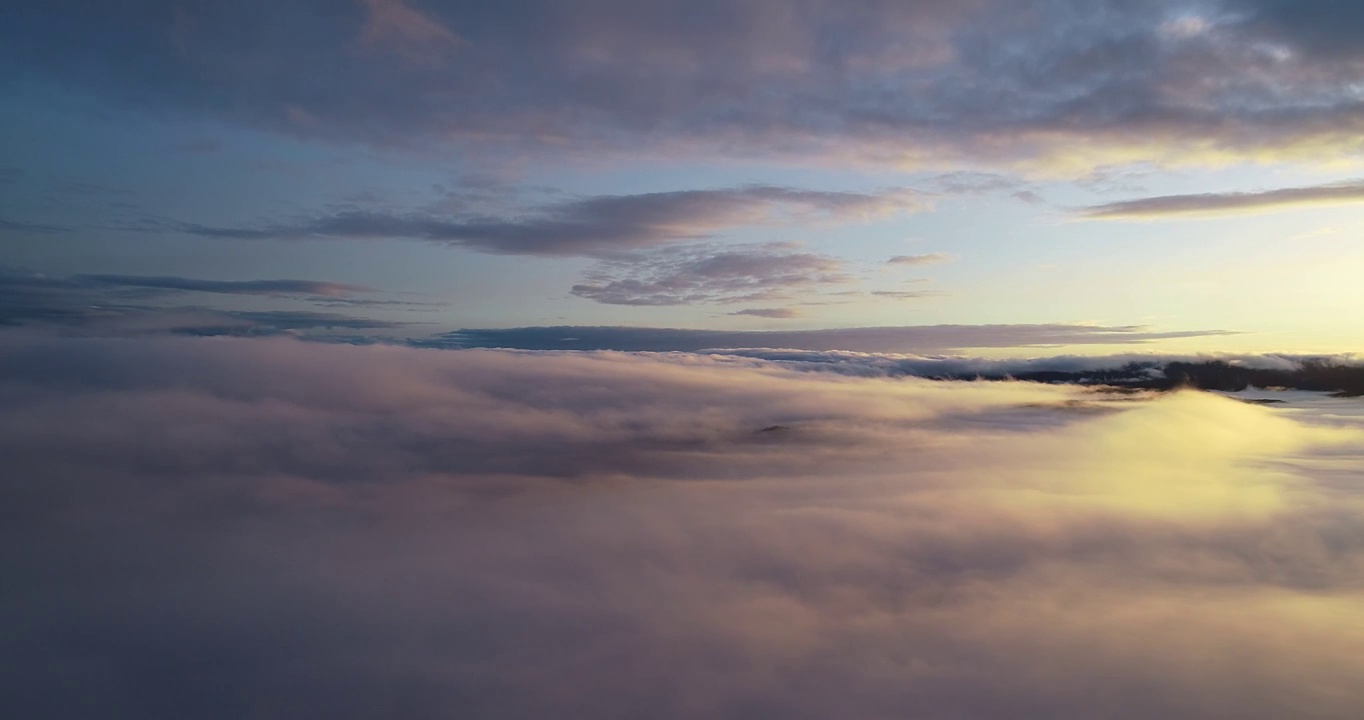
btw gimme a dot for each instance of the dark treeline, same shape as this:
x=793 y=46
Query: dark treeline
x=1319 y=376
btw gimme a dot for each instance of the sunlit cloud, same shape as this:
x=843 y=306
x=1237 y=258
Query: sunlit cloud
x=925 y=259
x=1230 y=203
x=502 y=534
x=907 y=294
x=771 y=313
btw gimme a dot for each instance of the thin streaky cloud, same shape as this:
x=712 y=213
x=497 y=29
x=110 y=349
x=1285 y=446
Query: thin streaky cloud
x=594 y=226
x=228 y=287
x=915 y=339
x=24 y=226
x=1230 y=202
x=925 y=259
x=907 y=294
x=771 y=313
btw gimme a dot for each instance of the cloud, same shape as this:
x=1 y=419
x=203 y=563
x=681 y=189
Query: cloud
x=408 y=32
x=228 y=287
x=1067 y=86
x=705 y=274
x=596 y=225
x=278 y=320
x=965 y=182
x=772 y=313
x=117 y=305
x=927 y=259
x=1231 y=202
x=916 y=339
x=1118 y=368
x=138 y=305
x=23 y=226
x=214 y=528
x=907 y=294
x=1323 y=29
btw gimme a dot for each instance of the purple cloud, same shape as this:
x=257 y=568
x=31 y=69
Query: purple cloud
x=712 y=275
x=215 y=527
x=868 y=81
x=781 y=313
x=599 y=225
x=926 y=259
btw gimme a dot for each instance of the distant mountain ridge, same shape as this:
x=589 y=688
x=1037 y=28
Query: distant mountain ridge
x=1314 y=375
x=1341 y=374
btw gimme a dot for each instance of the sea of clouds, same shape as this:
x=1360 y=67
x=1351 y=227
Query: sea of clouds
x=269 y=528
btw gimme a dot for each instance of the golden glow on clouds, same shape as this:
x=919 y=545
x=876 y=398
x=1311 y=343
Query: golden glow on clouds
x=621 y=531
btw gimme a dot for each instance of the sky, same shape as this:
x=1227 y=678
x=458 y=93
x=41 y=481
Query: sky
x=1012 y=178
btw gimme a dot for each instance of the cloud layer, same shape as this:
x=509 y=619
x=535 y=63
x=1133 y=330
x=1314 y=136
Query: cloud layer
x=725 y=276
x=1070 y=83
x=905 y=339
x=223 y=528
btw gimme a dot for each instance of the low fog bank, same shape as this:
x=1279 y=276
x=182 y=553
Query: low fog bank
x=227 y=528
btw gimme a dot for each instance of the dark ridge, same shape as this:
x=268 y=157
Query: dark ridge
x=1314 y=375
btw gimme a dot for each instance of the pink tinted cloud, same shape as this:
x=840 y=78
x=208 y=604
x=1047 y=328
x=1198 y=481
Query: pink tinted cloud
x=348 y=530
x=411 y=34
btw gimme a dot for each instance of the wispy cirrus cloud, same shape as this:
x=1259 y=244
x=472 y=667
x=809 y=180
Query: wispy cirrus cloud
x=1229 y=202
x=598 y=225
x=24 y=226
x=907 y=294
x=226 y=287
x=784 y=313
x=924 y=259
